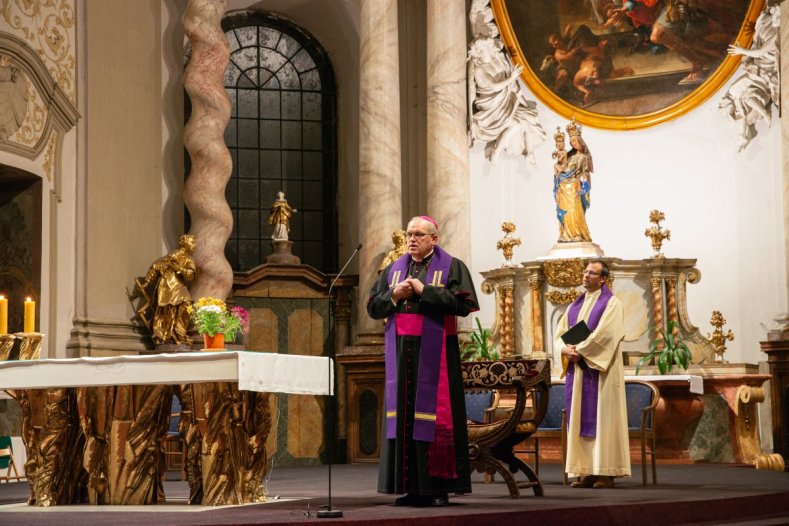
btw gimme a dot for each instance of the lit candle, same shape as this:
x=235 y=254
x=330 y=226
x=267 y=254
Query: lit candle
x=30 y=315
x=3 y=315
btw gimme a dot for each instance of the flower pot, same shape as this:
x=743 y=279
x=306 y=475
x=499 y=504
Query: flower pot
x=214 y=343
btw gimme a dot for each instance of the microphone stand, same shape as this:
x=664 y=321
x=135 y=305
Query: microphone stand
x=329 y=513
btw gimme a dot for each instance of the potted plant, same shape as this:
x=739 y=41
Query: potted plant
x=667 y=351
x=479 y=348
x=216 y=323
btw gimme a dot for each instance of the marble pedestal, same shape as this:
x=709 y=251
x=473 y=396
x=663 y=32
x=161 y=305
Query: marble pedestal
x=281 y=254
x=575 y=249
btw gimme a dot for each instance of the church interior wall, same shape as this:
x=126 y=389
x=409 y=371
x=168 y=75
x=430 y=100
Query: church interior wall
x=722 y=207
x=124 y=165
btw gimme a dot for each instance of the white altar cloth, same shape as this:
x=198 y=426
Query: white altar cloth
x=254 y=371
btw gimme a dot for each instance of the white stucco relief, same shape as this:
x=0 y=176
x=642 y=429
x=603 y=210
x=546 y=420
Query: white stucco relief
x=500 y=115
x=752 y=95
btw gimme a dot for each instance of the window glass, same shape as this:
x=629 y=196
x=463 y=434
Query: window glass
x=281 y=137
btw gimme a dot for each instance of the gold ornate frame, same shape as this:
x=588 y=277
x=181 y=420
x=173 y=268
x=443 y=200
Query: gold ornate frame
x=673 y=111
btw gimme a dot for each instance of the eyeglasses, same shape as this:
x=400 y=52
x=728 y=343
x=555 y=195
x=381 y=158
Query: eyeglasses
x=591 y=273
x=418 y=235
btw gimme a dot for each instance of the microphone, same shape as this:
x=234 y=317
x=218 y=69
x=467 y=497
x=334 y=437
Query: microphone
x=356 y=251
x=329 y=513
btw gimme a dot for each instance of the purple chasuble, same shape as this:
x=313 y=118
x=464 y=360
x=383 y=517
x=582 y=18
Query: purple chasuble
x=591 y=379
x=431 y=345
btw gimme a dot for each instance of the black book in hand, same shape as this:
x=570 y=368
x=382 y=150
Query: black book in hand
x=575 y=335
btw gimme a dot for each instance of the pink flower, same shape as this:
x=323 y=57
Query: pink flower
x=243 y=317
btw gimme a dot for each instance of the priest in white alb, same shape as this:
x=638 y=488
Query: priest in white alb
x=597 y=439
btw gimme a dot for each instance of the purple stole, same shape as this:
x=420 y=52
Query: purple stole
x=591 y=377
x=432 y=349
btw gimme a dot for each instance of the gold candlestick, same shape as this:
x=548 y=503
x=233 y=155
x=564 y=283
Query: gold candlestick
x=718 y=338
x=508 y=243
x=655 y=233
x=30 y=347
x=6 y=344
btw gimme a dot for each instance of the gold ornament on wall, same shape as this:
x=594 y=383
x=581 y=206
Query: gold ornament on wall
x=657 y=234
x=718 y=337
x=558 y=297
x=508 y=243
x=48 y=27
x=564 y=272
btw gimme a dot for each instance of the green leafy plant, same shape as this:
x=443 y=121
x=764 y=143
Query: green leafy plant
x=667 y=351
x=479 y=348
x=211 y=317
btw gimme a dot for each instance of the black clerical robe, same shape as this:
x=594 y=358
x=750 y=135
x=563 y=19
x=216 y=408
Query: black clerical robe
x=404 y=466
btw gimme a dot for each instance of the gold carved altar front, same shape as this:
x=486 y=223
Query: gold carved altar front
x=105 y=445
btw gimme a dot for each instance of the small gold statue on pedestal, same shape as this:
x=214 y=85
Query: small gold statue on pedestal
x=279 y=218
x=508 y=243
x=166 y=298
x=718 y=338
x=656 y=234
x=399 y=248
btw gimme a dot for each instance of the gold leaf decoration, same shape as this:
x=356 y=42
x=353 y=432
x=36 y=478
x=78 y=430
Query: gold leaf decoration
x=48 y=28
x=558 y=297
x=564 y=272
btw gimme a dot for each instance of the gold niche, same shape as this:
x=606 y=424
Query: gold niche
x=564 y=272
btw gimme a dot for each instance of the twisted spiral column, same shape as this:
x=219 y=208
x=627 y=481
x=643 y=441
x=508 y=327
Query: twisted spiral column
x=537 y=336
x=204 y=191
x=508 y=325
x=671 y=300
x=657 y=306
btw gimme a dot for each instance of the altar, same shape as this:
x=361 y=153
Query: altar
x=94 y=427
x=707 y=413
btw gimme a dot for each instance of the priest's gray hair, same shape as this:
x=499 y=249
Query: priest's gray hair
x=430 y=226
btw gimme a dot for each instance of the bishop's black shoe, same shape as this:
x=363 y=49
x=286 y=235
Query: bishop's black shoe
x=439 y=501
x=409 y=499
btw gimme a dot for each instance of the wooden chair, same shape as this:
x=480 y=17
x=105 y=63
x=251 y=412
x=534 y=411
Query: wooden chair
x=174 y=447
x=7 y=460
x=642 y=399
x=491 y=444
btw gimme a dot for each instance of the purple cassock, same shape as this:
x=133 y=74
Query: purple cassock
x=591 y=377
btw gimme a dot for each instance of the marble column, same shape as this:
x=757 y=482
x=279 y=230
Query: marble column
x=204 y=190
x=447 y=141
x=380 y=199
x=784 y=54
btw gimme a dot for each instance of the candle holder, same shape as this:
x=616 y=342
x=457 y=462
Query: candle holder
x=30 y=347
x=6 y=344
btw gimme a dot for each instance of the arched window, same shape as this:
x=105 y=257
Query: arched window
x=282 y=136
